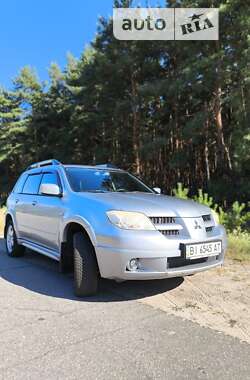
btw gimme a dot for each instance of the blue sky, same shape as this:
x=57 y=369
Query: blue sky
x=38 y=32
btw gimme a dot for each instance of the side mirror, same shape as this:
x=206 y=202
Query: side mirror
x=157 y=190
x=50 y=189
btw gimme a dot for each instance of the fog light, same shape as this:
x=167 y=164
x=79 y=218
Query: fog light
x=133 y=265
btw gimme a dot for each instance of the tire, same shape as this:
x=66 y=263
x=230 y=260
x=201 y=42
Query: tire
x=13 y=249
x=86 y=274
x=66 y=260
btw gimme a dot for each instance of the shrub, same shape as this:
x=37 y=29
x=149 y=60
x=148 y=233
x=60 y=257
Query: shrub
x=205 y=199
x=239 y=246
x=222 y=216
x=180 y=191
x=236 y=219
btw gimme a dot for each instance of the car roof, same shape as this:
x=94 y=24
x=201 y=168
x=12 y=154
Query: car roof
x=53 y=167
x=55 y=163
x=97 y=167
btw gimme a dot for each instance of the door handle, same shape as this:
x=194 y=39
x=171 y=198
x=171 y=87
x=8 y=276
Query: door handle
x=34 y=203
x=17 y=200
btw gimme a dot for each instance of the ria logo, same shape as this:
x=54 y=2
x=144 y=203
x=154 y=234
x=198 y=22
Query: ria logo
x=197 y=226
x=196 y=24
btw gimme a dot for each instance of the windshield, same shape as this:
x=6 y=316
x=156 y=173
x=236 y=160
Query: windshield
x=96 y=180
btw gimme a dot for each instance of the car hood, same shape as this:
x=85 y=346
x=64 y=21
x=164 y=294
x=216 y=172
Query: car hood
x=149 y=204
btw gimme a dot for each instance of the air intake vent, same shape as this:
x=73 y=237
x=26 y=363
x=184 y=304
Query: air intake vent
x=170 y=232
x=162 y=219
x=176 y=262
x=209 y=229
x=209 y=225
x=206 y=218
x=166 y=225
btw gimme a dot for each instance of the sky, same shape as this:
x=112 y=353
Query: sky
x=38 y=32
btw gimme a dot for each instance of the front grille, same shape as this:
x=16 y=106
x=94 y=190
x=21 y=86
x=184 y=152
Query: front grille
x=176 y=262
x=166 y=225
x=206 y=218
x=209 y=229
x=162 y=219
x=208 y=226
x=170 y=232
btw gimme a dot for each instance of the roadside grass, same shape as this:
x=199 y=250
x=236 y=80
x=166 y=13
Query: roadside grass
x=238 y=243
x=2 y=210
x=239 y=246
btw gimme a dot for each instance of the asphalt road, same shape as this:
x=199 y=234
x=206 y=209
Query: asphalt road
x=46 y=333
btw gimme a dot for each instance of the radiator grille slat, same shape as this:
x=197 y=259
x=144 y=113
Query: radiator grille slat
x=160 y=220
x=169 y=232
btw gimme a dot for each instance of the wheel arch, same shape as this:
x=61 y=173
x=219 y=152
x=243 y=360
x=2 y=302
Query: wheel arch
x=7 y=218
x=82 y=223
x=70 y=228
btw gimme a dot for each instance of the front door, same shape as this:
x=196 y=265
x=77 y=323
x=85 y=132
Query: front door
x=48 y=213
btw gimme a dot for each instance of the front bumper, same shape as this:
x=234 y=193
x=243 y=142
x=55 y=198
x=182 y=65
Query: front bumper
x=154 y=255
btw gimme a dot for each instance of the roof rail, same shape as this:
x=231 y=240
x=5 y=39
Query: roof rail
x=107 y=166
x=43 y=163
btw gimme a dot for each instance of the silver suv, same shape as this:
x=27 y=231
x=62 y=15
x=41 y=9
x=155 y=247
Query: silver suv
x=104 y=222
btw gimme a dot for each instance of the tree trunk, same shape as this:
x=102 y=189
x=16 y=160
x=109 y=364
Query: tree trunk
x=206 y=149
x=223 y=150
x=135 y=126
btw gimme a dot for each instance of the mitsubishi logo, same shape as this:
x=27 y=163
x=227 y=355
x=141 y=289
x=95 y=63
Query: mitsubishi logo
x=197 y=226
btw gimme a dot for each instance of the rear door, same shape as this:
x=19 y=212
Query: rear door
x=15 y=202
x=25 y=207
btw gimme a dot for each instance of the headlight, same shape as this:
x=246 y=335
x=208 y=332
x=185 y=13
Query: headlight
x=216 y=217
x=130 y=220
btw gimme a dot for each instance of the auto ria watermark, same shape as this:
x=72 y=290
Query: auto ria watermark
x=166 y=23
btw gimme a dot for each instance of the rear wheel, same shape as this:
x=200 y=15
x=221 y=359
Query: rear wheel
x=86 y=274
x=12 y=247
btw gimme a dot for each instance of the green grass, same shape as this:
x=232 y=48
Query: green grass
x=2 y=210
x=239 y=246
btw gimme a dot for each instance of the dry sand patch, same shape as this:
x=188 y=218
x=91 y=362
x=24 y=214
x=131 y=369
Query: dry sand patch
x=219 y=299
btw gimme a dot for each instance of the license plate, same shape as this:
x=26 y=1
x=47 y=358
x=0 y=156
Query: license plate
x=195 y=251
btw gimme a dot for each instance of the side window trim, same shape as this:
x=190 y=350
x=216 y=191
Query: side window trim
x=24 y=184
x=30 y=175
x=59 y=182
x=22 y=179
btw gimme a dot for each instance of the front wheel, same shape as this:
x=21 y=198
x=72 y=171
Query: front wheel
x=12 y=247
x=86 y=274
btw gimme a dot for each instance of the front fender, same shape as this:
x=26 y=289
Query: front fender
x=81 y=221
x=11 y=215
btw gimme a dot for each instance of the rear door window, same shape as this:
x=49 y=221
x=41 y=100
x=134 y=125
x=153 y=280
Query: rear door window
x=32 y=184
x=19 y=185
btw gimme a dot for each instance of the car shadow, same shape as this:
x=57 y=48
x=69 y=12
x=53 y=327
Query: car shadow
x=40 y=274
